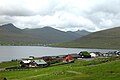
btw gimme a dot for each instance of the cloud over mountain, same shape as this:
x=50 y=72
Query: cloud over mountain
x=65 y=15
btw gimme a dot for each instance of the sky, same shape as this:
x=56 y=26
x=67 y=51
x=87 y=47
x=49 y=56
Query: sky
x=65 y=15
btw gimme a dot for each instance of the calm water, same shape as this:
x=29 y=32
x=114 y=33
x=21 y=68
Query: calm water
x=17 y=52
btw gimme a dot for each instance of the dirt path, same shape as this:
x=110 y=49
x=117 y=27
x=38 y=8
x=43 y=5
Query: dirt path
x=36 y=76
x=74 y=72
x=32 y=77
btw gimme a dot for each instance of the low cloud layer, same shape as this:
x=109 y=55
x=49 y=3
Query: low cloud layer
x=92 y=15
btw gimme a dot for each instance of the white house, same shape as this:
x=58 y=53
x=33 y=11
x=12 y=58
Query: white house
x=93 y=55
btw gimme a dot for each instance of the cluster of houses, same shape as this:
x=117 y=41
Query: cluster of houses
x=45 y=61
x=70 y=58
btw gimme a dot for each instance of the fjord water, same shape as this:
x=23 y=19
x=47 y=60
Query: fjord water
x=8 y=53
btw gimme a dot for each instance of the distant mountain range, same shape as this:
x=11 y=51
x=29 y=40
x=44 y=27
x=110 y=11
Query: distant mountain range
x=11 y=35
x=109 y=38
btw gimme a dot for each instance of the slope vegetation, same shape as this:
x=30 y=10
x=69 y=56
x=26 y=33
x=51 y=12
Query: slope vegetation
x=11 y=35
x=98 y=69
x=109 y=38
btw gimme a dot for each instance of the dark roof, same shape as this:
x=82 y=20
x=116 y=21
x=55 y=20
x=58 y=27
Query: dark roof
x=75 y=55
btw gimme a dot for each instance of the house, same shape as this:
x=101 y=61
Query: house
x=75 y=55
x=61 y=56
x=33 y=63
x=113 y=53
x=31 y=57
x=47 y=58
x=117 y=53
x=25 y=62
x=68 y=59
x=41 y=63
x=98 y=54
x=52 y=59
x=93 y=55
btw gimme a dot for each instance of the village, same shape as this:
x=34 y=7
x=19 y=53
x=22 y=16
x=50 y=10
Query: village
x=57 y=66
x=46 y=61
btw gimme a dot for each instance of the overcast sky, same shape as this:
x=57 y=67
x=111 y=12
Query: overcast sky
x=91 y=15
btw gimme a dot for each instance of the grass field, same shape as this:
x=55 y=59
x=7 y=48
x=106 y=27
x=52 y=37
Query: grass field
x=98 y=69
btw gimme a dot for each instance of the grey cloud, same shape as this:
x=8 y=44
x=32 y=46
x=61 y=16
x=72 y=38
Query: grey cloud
x=6 y=19
x=15 y=13
x=62 y=14
x=24 y=9
x=14 y=10
x=111 y=6
x=106 y=15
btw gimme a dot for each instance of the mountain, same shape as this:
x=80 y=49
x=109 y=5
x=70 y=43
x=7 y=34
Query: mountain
x=73 y=34
x=9 y=28
x=109 y=38
x=50 y=34
x=10 y=34
x=79 y=33
x=82 y=32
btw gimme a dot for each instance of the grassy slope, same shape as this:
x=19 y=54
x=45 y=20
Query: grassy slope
x=18 y=38
x=10 y=34
x=80 y=70
x=8 y=64
x=103 y=39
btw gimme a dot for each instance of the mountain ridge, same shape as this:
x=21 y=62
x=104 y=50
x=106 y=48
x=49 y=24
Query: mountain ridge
x=109 y=38
x=10 y=28
x=46 y=35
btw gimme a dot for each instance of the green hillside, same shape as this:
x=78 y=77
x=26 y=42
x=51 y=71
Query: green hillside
x=98 y=69
x=109 y=38
x=11 y=35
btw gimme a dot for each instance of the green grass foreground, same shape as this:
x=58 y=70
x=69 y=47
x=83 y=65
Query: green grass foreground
x=98 y=69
